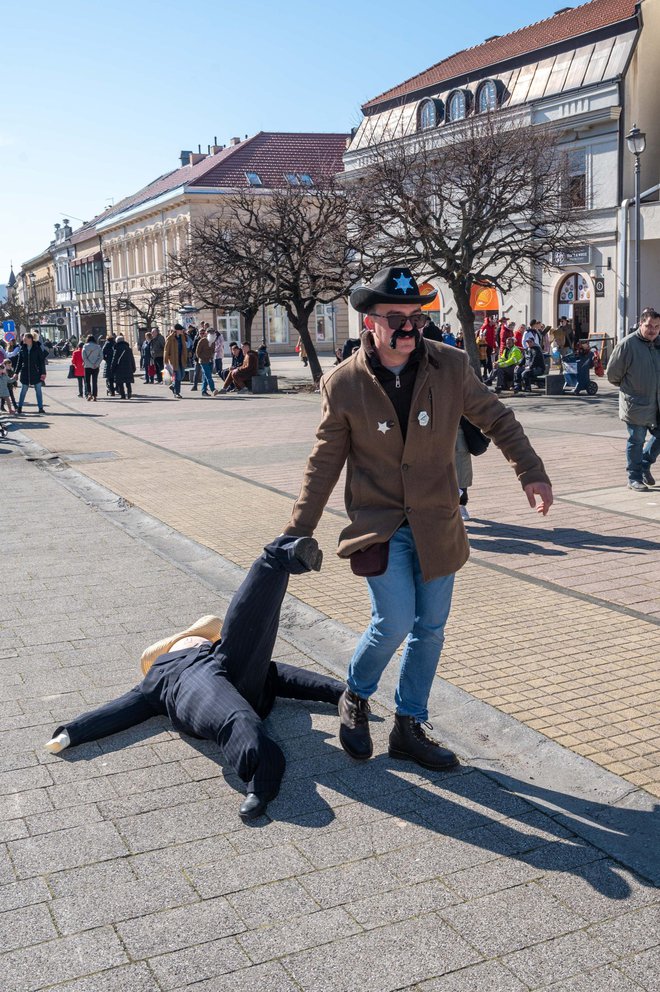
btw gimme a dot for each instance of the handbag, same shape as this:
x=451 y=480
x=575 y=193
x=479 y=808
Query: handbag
x=151 y=370
x=71 y=374
x=476 y=440
x=370 y=561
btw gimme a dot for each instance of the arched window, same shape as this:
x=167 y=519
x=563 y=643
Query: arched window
x=487 y=97
x=457 y=106
x=430 y=114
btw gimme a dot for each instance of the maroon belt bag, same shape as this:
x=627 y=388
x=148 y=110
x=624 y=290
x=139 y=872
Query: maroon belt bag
x=372 y=560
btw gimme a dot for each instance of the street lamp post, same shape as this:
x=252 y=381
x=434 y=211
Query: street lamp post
x=107 y=265
x=636 y=141
x=33 y=295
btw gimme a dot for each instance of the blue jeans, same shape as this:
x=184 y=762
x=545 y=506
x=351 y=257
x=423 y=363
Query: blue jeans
x=177 y=378
x=403 y=606
x=639 y=457
x=207 y=377
x=39 y=392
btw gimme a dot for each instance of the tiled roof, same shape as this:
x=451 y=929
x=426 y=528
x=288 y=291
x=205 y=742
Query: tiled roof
x=271 y=154
x=553 y=30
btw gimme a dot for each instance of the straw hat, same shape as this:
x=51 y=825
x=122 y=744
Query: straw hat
x=208 y=627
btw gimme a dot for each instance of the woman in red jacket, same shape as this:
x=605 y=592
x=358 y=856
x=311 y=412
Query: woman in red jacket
x=79 y=367
x=488 y=333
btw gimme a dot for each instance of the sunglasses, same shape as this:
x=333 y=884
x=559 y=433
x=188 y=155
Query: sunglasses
x=396 y=321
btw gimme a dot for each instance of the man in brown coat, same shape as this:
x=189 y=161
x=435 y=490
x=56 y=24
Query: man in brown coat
x=392 y=412
x=240 y=377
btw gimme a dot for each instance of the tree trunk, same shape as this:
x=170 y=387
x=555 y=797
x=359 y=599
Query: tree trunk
x=301 y=323
x=248 y=318
x=466 y=319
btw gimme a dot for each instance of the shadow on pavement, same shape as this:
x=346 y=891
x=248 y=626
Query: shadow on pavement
x=463 y=805
x=491 y=535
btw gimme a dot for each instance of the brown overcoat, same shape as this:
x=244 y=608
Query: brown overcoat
x=388 y=481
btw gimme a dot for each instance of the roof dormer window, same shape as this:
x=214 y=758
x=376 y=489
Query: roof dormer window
x=487 y=97
x=457 y=106
x=253 y=178
x=430 y=114
x=292 y=178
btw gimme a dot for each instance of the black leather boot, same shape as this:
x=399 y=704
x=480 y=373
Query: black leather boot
x=354 y=733
x=409 y=742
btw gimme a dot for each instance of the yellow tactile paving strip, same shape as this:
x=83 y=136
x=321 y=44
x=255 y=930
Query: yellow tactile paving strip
x=579 y=673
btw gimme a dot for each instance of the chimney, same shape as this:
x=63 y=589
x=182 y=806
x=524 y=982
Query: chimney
x=196 y=157
x=234 y=141
x=185 y=157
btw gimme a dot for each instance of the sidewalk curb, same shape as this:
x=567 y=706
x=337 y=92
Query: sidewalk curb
x=607 y=811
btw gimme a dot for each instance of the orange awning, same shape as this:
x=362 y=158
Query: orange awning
x=484 y=298
x=435 y=304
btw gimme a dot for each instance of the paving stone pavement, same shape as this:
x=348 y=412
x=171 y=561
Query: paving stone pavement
x=125 y=868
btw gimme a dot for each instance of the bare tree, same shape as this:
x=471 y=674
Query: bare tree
x=291 y=247
x=488 y=206
x=151 y=304
x=223 y=268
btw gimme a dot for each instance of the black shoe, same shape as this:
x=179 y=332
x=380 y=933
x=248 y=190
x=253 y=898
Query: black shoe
x=354 y=733
x=409 y=742
x=252 y=807
x=639 y=487
x=307 y=552
x=194 y=389
x=647 y=478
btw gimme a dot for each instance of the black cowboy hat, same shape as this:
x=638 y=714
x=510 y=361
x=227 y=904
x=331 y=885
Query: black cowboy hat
x=392 y=285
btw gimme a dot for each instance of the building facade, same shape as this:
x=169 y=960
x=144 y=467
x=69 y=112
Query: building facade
x=589 y=73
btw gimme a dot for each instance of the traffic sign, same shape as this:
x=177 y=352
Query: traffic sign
x=9 y=327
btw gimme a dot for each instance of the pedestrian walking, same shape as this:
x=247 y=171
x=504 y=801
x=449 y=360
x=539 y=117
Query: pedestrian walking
x=219 y=351
x=634 y=367
x=157 y=347
x=392 y=413
x=146 y=363
x=123 y=368
x=92 y=355
x=108 y=353
x=78 y=363
x=7 y=380
x=31 y=371
x=205 y=354
x=302 y=351
x=217 y=681
x=176 y=357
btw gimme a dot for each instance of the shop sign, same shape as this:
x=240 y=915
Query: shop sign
x=576 y=256
x=599 y=286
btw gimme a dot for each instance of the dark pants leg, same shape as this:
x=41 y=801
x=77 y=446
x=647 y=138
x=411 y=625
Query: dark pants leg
x=158 y=362
x=129 y=390
x=88 y=382
x=81 y=380
x=297 y=683
x=250 y=626
x=119 y=386
x=119 y=714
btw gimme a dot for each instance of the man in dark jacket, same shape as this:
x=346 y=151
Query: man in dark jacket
x=123 y=367
x=157 y=346
x=31 y=370
x=221 y=688
x=108 y=353
x=635 y=368
x=529 y=371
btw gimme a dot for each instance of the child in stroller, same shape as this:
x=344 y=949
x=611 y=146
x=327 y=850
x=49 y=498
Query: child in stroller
x=576 y=365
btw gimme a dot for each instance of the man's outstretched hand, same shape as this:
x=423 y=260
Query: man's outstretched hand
x=544 y=492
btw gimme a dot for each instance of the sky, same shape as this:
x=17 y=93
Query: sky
x=98 y=99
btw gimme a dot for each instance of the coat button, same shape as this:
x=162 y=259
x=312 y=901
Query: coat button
x=405 y=467
x=409 y=509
